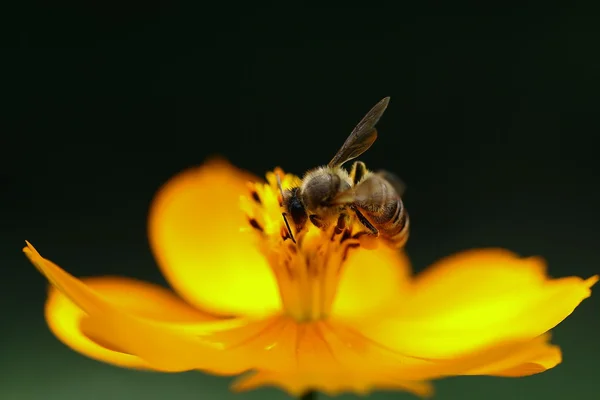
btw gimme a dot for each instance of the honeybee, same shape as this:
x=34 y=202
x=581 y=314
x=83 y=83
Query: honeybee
x=329 y=193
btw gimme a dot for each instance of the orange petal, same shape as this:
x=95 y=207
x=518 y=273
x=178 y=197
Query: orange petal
x=194 y=228
x=165 y=343
x=475 y=300
x=326 y=357
x=372 y=283
x=66 y=320
x=331 y=384
x=329 y=357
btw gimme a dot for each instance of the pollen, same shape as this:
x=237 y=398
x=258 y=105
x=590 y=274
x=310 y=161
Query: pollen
x=307 y=268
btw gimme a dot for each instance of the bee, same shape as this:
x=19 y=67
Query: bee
x=329 y=193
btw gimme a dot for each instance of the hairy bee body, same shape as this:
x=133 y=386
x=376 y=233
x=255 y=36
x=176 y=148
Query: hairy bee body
x=321 y=185
x=319 y=189
x=329 y=193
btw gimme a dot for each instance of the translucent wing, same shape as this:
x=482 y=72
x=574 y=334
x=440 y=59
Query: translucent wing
x=362 y=137
x=397 y=183
x=369 y=189
x=359 y=193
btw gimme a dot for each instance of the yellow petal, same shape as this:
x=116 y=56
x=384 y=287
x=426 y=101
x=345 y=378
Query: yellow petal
x=349 y=349
x=166 y=345
x=475 y=300
x=526 y=358
x=66 y=320
x=194 y=229
x=372 y=283
x=333 y=358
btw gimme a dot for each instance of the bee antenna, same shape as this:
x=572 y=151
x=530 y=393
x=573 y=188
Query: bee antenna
x=284 y=215
x=279 y=185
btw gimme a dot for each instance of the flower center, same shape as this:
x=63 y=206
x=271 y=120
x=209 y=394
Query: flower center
x=307 y=270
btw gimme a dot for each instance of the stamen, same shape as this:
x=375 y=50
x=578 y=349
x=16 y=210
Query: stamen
x=254 y=223
x=255 y=196
x=308 y=266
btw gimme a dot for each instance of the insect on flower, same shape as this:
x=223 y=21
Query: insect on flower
x=327 y=194
x=324 y=312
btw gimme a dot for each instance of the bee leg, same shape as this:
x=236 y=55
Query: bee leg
x=341 y=223
x=340 y=226
x=363 y=220
x=357 y=172
x=289 y=230
x=318 y=222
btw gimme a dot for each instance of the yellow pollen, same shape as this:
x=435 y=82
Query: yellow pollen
x=307 y=271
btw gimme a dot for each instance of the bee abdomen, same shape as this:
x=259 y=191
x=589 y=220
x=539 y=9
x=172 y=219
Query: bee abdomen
x=392 y=222
x=399 y=234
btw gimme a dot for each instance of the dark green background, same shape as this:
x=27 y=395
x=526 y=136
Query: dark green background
x=492 y=124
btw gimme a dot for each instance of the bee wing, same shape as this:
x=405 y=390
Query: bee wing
x=362 y=136
x=397 y=183
x=369 y=187
x=359 y=193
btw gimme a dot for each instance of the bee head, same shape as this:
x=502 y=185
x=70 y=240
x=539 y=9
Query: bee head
x=295 y=208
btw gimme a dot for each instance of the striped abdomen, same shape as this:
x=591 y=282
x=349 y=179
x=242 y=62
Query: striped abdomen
x=380 y=203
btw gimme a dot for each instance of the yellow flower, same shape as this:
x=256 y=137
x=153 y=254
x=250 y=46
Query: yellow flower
x=324 y=314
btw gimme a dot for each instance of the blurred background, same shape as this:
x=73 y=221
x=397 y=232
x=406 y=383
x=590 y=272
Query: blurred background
x=492 y=125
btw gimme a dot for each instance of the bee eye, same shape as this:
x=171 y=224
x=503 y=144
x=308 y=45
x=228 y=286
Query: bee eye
x=297 y=211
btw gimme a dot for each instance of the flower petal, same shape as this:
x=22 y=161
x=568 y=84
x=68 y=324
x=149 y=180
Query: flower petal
x=525 y=359
x=195 y=233
x=165 y=344
x=66 y=320
x=331 y=384
x=372 y=283
x=333 y=358
x=476 y=299
x=327 y=357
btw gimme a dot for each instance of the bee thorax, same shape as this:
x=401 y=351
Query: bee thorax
x=320 y=187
